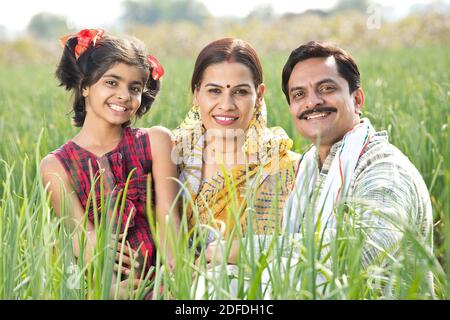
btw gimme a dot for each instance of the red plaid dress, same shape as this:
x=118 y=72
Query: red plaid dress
x=132 y=152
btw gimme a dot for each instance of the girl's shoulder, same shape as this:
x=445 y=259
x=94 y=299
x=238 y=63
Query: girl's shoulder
x=61 y=159
x=156 y=133
x=63 y=150
x=65 y=153
x=55 y=158
x=49 y=161
x=50 y=164
x=161 y=139
x=54 y=175
x=135 y=133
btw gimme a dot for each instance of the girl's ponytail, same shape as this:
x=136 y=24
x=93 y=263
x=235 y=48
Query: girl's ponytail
x=68 y=72
x=152 y=86
x=148 y=96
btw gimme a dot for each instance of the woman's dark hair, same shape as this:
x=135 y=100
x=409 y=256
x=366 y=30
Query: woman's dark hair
x=230 y=50
x=346 y=66
x=75 y=74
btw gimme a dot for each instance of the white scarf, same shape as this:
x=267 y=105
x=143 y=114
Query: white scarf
x=336 y=183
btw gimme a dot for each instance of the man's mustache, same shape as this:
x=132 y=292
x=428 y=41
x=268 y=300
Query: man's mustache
x=306 y=113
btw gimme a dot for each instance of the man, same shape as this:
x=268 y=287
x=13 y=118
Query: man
x=350 y=171
x=349 y=162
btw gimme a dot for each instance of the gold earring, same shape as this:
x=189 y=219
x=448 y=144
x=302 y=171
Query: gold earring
x=195 y=112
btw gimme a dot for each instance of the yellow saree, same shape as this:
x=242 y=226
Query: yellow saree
x=260 y=186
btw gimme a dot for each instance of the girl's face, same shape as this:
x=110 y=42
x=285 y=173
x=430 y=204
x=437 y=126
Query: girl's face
x=117 y=95
x=227 y=97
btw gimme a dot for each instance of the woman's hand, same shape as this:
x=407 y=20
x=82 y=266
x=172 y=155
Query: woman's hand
x=216 y=249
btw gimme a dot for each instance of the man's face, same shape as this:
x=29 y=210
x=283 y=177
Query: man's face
x=320 y=101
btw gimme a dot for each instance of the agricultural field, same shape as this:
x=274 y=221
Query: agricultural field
x=407 y=94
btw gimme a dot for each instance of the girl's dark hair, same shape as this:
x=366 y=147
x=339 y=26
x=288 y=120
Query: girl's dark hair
x=76 y=74
x=230 y=50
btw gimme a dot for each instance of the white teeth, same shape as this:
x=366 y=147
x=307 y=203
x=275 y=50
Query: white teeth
x=317 y=115
x=117 y=108
x=224 y=118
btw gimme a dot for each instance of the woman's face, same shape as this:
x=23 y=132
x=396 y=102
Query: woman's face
x=226 y=97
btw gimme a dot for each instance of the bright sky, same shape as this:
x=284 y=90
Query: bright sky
x=103 y=13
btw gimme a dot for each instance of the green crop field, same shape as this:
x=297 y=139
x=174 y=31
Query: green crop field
x=407 y=94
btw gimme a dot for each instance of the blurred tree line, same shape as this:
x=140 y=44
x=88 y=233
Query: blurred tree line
x=183 y=27
x=153 y=11
x=45 y=25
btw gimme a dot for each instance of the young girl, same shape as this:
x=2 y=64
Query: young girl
x=113 y=80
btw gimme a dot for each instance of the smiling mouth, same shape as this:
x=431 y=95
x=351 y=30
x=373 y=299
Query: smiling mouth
x=225 y=120
x=318 y=113
x=116 y=107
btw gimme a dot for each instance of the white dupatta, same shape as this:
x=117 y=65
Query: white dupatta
x=336 y=184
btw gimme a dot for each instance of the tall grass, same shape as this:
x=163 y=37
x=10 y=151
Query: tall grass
x=407 y=94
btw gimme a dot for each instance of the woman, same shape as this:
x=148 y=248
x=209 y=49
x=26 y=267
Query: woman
x=230 y=162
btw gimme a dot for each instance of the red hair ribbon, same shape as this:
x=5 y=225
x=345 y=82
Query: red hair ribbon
x=85 y=38
x=157 y=68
